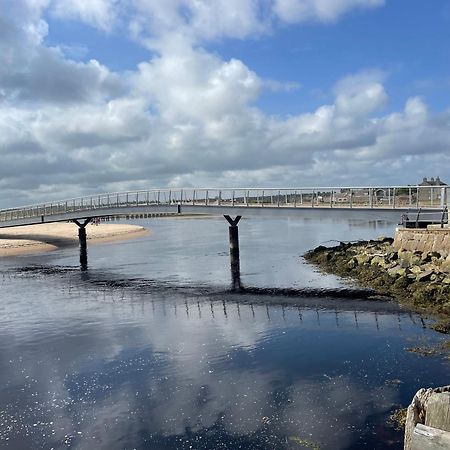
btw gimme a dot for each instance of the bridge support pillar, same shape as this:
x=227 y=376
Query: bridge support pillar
x=82 y=237
x=234 y=252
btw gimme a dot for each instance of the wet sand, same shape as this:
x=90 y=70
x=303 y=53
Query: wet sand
x=50 y=236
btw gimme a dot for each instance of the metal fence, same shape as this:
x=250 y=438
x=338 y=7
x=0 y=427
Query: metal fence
x=392 y=197
x=420 y=218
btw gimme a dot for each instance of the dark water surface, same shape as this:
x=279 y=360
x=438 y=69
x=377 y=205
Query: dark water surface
x=150 y=350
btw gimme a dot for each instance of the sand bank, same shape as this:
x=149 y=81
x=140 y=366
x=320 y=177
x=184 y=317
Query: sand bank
x=50 y=236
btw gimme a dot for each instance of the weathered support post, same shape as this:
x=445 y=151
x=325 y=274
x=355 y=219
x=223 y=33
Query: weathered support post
x=234 y=252
x=82 y=237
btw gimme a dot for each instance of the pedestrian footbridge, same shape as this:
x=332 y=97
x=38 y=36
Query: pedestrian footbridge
x=415 y=206
x=376 y=203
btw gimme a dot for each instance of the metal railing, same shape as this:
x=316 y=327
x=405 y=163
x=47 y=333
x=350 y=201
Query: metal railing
x=421 y=219
x=392 y=197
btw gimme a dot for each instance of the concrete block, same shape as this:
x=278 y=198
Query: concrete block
x=438 y=411
x=429 y=438
x=422 y=411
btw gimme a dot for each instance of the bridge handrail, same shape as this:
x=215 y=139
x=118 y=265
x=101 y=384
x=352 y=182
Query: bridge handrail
x=349 y=196
x=186 y=189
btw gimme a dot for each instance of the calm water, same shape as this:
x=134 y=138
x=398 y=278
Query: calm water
x=149 y=349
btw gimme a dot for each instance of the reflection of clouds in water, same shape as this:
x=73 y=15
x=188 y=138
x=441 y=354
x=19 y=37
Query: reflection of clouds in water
x=123 y=370
x=238 y=400
x=326 y=411
x=329 y=411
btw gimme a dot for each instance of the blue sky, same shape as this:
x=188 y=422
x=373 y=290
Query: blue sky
x=117 y=94
x=409 y=40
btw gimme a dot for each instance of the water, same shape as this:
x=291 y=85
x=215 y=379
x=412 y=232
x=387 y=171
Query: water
x=150 y=350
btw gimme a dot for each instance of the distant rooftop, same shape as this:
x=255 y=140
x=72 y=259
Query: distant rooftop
x=432 y=182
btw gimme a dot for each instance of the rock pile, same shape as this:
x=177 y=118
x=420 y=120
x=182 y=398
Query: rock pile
x=420 y=280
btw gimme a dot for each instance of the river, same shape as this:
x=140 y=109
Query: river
x=149 y=348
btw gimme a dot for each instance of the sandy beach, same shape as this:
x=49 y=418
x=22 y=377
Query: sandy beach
x=50 y=236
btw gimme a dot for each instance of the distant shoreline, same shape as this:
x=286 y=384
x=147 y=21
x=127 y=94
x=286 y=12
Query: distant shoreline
x=40 y=238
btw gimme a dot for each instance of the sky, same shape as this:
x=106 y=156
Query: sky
x=114 y=95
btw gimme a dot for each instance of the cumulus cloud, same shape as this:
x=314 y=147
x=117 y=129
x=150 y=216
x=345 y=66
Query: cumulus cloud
x=195 y=85
x=186 y=116
x=360 y=94
x=33 y=72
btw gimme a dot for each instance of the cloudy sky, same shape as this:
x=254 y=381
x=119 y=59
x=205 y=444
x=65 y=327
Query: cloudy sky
x=111 y=95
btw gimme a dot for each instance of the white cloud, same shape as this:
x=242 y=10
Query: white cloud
x=35 y=73
x=294 y=11
x=192 y=84
x=360 y=94
x=198 y=20
x=186 y=116
x=203 y=20
x=281 y=86
x=98 y=13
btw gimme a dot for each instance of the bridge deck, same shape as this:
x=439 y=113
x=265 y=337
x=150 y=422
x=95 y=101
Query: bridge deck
x=373 y=203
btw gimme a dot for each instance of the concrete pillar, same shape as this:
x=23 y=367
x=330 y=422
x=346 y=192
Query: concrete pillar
x=234 y=252
x=83 y=247
x=82 y=237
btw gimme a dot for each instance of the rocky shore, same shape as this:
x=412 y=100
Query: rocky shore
x=418 y=280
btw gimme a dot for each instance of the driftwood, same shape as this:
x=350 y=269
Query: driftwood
x=430 y=407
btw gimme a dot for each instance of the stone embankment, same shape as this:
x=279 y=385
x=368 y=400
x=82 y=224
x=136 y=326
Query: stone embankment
x=424 y=241
x=413 y=268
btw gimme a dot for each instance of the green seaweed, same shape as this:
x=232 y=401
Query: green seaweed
x=304 y=442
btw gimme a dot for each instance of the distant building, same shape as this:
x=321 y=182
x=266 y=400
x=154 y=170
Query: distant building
x=432 y=191
x=359 y=195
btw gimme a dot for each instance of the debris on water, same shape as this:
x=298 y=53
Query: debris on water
x=398 y=418
x=304 y=442
x=394 y=382
x=443 y=326
x=424 y=351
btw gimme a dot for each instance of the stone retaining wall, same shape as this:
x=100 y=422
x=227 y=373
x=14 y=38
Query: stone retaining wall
x=425 y=241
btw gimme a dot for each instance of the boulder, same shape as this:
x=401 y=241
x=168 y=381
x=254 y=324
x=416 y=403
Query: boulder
x=376 y=260
x=424 y=276
x=397 y=271
x=362 y=258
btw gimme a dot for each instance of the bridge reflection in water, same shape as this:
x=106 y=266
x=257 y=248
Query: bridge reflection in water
x=333 y=308
x=127 y=364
